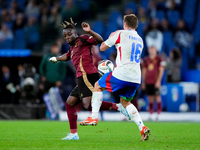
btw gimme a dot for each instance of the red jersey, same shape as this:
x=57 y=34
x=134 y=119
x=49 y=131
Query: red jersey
x=152 y=66
x=81 y=55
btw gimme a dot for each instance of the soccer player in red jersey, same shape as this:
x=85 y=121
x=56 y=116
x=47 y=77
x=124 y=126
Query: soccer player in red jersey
x=81 y=55
x=152 y=73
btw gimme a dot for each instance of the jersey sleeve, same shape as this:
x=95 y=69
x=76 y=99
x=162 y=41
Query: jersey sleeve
x=161 y=62
x=87 y=39
x=68 y=53
x=113 y=39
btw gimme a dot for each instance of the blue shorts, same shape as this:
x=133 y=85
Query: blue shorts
x=126 y=89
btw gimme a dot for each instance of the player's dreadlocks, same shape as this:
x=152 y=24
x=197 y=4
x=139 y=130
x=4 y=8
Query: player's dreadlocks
x=66 y=25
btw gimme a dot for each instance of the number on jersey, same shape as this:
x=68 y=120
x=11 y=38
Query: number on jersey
x=135 y=52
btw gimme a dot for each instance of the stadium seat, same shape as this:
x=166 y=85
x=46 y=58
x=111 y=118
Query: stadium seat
x=140 y=29
x=19 y=39
x=168 y=42
x=7 y=3
x=112 y=27
x=145 y=3
x=33 y=37
x=196 y=32
x=62 y=3
x=189 y=14
x=132 y=6
x=173 y=17
x=6 y=44
x=196 y=36
x=98 y=26
x=10 y=25
x=184 y=60
x=116 y=17
x=84 y=5
x=22 y=4
x=192 y=50
x=160 y=15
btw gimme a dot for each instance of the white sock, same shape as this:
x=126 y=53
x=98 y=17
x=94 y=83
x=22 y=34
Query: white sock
x=118 y=105
x=135 y=116
x=97 y=98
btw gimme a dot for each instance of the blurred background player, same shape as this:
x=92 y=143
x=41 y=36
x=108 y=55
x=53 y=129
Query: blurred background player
x=52 y=74
x=126 y=77
x=152 y=73
x=81 y=55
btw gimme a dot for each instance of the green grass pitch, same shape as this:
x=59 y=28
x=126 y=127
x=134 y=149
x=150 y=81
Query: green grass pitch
x=20 y=135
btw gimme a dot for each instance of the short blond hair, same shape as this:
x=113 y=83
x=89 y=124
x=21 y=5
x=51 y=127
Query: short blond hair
x=131 y=20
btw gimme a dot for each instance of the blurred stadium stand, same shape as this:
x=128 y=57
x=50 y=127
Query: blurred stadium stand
x=104 y=17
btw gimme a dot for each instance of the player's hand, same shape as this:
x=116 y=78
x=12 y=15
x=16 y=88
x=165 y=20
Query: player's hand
x=58 y=83
x=157 y=84
x=86 y=26
x=53 y=60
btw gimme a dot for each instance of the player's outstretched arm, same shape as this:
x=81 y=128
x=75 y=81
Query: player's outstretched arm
x=63 y=57
x=109 y=42
x=96 y=36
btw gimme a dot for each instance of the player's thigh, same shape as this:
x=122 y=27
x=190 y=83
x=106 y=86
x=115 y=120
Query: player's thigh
x=73 y=98
x=87 y=102
x=86 y=84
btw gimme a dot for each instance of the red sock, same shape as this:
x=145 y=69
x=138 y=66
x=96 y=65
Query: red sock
x=159 y=107
x=106 y=106
x=151 y=108
x=72 y=117
x=78 y=107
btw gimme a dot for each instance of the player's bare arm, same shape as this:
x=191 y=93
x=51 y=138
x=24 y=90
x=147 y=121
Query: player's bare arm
x=96 y=36
x=160 y=75
x=144 y=70
x=103 y=47
x=63 y=57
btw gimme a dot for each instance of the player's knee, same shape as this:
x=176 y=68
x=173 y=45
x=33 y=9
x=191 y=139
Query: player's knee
x=96 y=85
x=71 y=101
x=97 y=88
x=87 y=103
x=87 y=106
x=124 y=102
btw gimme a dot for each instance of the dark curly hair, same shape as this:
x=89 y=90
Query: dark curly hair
x=67 y=25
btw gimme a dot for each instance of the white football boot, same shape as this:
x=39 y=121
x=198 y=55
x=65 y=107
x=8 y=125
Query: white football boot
x=71 y=136
x=123 y=111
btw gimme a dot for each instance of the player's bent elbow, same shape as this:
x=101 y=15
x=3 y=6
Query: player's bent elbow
x=103 y=47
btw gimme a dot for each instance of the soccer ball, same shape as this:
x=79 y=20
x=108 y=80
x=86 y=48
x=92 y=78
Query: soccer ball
x=105 y=66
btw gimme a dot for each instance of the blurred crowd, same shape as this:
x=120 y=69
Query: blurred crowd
x=165 y=24
x=34 y=24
